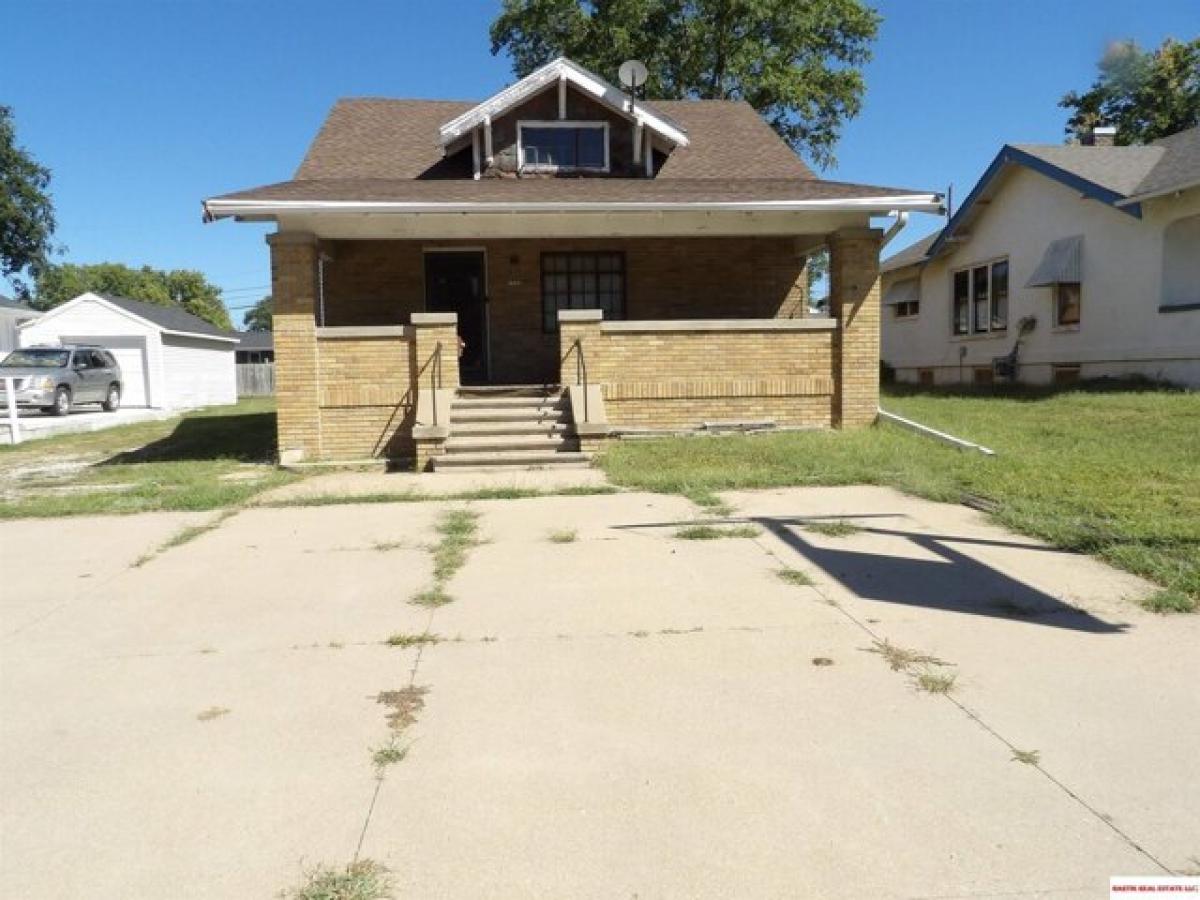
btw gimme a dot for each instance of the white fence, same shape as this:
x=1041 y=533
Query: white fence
x=255 y=379
x=10 y=400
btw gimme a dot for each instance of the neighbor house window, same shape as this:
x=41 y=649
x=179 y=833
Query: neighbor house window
x=582 y=281
x=1181 y=265
x=1065 y=374
x=908 y=309
x=1066 y=303
x=550 y=146
x=980 y=296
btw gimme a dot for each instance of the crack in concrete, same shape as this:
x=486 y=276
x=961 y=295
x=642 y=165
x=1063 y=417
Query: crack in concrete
x=412 y=680
x=978 y=719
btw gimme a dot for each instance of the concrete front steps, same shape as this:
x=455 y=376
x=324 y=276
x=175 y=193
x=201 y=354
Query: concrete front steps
x=511 y=428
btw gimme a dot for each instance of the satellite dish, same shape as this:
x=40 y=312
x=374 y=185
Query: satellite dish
x=633 y=73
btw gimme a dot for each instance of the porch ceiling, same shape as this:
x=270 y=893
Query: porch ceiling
x=602 y=224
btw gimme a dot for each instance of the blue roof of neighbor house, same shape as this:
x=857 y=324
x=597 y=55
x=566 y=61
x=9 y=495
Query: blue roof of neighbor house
x=1117 y=176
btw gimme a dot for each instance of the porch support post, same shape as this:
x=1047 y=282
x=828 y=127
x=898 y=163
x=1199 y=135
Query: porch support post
x=475 y=151
x=487 y=141
x=648 y=152
x=854 y=303
x=637 y=142
x=562 y=96
x=297 y=364
x=435 y=380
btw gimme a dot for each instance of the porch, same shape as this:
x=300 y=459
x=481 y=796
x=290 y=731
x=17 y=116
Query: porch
x=378 y=339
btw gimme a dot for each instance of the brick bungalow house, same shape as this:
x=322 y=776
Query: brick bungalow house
x=512 y=281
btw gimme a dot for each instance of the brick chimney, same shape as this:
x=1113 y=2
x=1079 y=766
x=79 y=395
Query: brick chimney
x=1100 y=136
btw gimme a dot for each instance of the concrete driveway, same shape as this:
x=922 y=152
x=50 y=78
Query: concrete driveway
x=627 y=714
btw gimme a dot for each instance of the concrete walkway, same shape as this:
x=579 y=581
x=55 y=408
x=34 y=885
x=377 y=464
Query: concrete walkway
x=32 y=424
x=627 y=714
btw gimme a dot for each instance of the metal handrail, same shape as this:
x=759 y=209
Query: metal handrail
x=581 y=376
x=435 y=378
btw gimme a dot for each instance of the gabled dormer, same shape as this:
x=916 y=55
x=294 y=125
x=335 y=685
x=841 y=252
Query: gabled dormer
x=562 y=120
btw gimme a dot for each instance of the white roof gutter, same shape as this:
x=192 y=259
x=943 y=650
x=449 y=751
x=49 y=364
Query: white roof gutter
x=215 y=209
x=1154 y=195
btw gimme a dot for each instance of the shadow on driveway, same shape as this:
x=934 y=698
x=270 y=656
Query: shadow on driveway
x=954 y=582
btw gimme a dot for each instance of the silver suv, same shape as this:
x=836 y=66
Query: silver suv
x=53 y=379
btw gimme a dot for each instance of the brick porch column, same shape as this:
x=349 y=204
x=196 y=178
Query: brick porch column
x=589 y=417
x=297 y=384
x=854 y=302
x=581 y=325
x=434 y=395
x=429 y=330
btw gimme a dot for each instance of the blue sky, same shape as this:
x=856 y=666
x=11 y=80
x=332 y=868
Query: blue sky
x=143 y=109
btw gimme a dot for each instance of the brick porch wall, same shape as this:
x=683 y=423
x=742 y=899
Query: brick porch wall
x=678 y=377
x=383 y=282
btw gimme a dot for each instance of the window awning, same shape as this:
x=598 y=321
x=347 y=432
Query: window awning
x=907 y=290
x=1061 y=264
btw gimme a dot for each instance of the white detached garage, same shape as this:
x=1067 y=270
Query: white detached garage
x=169 y=358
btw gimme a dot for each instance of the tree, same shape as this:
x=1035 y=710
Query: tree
x=26 y=211
x=258 y=317
x=1144 y=94
x=797 y=63
x=183 y=288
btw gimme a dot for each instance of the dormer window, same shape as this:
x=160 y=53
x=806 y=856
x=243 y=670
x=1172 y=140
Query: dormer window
x=563 y=146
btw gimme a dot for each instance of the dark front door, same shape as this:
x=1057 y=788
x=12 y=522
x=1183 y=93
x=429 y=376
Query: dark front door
x=454 y=282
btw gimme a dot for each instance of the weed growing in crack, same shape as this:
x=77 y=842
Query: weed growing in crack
x=388 y=754
x=709 y=502
x=712 y=533
x=431 y=597
x=794 y=577
x=458 y=529
x=836 y=528
x=933 y=682
x=902 y=659
x=185 y=536
x=363 y=879
x=213 y=712
x=562 y=536
x=921 y=667
x=404 y=704
x=1029 y=757
x=399 y=639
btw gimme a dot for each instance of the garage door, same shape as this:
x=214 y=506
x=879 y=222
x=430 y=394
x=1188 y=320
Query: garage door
x=131 y=355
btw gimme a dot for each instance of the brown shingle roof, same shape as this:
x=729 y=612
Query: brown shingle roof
x=378 y=138
x=387 y=151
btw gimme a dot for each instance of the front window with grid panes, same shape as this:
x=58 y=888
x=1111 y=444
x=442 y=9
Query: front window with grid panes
x=582 y=281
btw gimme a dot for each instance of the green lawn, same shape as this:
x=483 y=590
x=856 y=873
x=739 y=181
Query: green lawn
x=207 y=459
x=1114 y=472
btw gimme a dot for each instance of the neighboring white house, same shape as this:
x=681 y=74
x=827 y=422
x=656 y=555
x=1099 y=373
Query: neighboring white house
x=1089 y=255
x=12 y=314
x=169 y=358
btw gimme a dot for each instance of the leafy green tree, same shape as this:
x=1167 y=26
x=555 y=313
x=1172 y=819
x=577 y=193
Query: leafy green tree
x=26 y=211
x=797 y=63
x=184 y=288
x=258 y=317
x=1144 y=94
